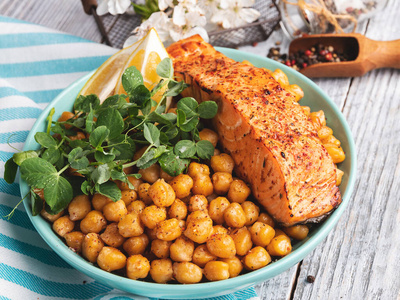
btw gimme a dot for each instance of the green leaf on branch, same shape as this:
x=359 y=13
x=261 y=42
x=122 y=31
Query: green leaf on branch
x=58 y=192
x=165 y=69
x=10 y=170
x=185 y=149
x=175 y=88
x=208 y=109
x=36 y=171
x=52 y=155
x=110 y=190
x=151 y=134
x=112 y=119
x=101 y=174
x=189 y=106
x=131 y=78
x=45 y=140
x=104 y=157
x=36 y=203
x=172 y=164
x=98 y=136
x=84 y=103
x=21 y=156
x=204 y=149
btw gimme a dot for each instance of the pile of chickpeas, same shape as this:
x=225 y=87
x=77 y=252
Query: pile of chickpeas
x=194 y=227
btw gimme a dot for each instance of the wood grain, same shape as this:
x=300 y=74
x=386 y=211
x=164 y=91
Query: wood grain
x=360 y=258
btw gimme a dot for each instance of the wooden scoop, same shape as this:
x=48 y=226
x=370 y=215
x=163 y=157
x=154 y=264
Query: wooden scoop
x=364 y=54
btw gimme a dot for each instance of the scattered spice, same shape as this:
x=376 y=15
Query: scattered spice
x=303 y=58
x=310 y=279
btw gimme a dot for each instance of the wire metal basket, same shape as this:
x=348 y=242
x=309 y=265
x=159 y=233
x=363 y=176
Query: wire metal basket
x=116 y=29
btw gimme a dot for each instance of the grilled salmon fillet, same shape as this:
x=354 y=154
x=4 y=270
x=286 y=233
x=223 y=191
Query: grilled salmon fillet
x=273 y=143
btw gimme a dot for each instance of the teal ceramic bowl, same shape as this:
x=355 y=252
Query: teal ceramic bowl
x=314 y=97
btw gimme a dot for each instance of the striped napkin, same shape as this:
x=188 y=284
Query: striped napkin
x=36 y=64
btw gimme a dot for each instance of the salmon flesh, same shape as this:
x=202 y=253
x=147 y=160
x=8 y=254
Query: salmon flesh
x=272 y=141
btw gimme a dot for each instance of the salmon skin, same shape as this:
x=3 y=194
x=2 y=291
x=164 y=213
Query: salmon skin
x=272 y=141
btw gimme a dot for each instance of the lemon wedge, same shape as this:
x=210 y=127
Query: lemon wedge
x=103 y=81
x=147 y=55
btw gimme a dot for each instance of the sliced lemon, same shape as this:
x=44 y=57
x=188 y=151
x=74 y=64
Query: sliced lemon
x=148 y=54
x=103 y=81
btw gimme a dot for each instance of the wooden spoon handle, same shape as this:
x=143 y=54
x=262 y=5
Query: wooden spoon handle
x=384 y=54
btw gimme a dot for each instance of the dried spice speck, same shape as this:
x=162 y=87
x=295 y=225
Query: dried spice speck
x=310 y=279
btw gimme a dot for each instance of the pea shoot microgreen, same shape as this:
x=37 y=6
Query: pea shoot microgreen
x=113 y=131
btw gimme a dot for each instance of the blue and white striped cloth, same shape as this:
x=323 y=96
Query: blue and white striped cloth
x=36 y=64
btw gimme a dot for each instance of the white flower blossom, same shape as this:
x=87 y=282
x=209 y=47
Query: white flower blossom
x=210 y=7
x=235 y=13
x=159 y=21
x=164 y=4
x=188 y=23
x=113 y=7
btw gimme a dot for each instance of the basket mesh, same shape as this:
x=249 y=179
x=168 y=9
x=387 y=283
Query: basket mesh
x=119 y=27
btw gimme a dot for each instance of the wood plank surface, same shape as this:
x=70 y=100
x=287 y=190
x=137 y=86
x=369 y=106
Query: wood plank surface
x=360 y=258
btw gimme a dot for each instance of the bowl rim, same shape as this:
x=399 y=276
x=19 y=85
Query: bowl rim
x=218 y=287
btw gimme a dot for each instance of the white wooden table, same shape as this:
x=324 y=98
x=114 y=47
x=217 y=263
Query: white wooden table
x=360 y=259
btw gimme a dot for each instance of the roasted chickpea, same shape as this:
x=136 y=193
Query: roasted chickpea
x=178 y=210
x=196 y=169
x=99 y=201
x=152 y=215
x=164 y=175
x=279 y=232
x=199 y=226
x=136 y=206
x=79 y=136
x=161 y=270
x=234 y=215
x=324 y=132
x=151 y=233
x=65 y=116
x=256 y=258
x=49 y=217
x=136 y=244
x=297 y=232
x=266 y=218
x=63 y=225
x=221 y=181
x=318 y=119
x=91 y=246
x=202 y=185
x=128 y=196
x=280 y=246
x=111 y=259
x=130 y=225
x=339 y=176
x=238 y=191
x=160 y=248
x=281 y=77
x=150 y=174
x=198 y=202
x=161 y=193
x=217 y=208
x=137 y=266
x=182 y=185
x=221 y=245
x=169 y=230
x=111 y=236
x=201 y=256
x=182 y=249
x=216 y=270
x=222 y=163
x=209 y=135
x=79 y=207
x=114 y=211
x=242 y=240
x=235 y=266
x=296 y=91
x=187 y=272
x=251 y=211
x=144 y=193
x=219 y=229
x=336 y=152
x=74 y=240
x=93 y=222
x=261 y=234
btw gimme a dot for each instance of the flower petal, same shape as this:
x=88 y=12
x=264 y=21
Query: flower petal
x=179 y=15
x=249 y=14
